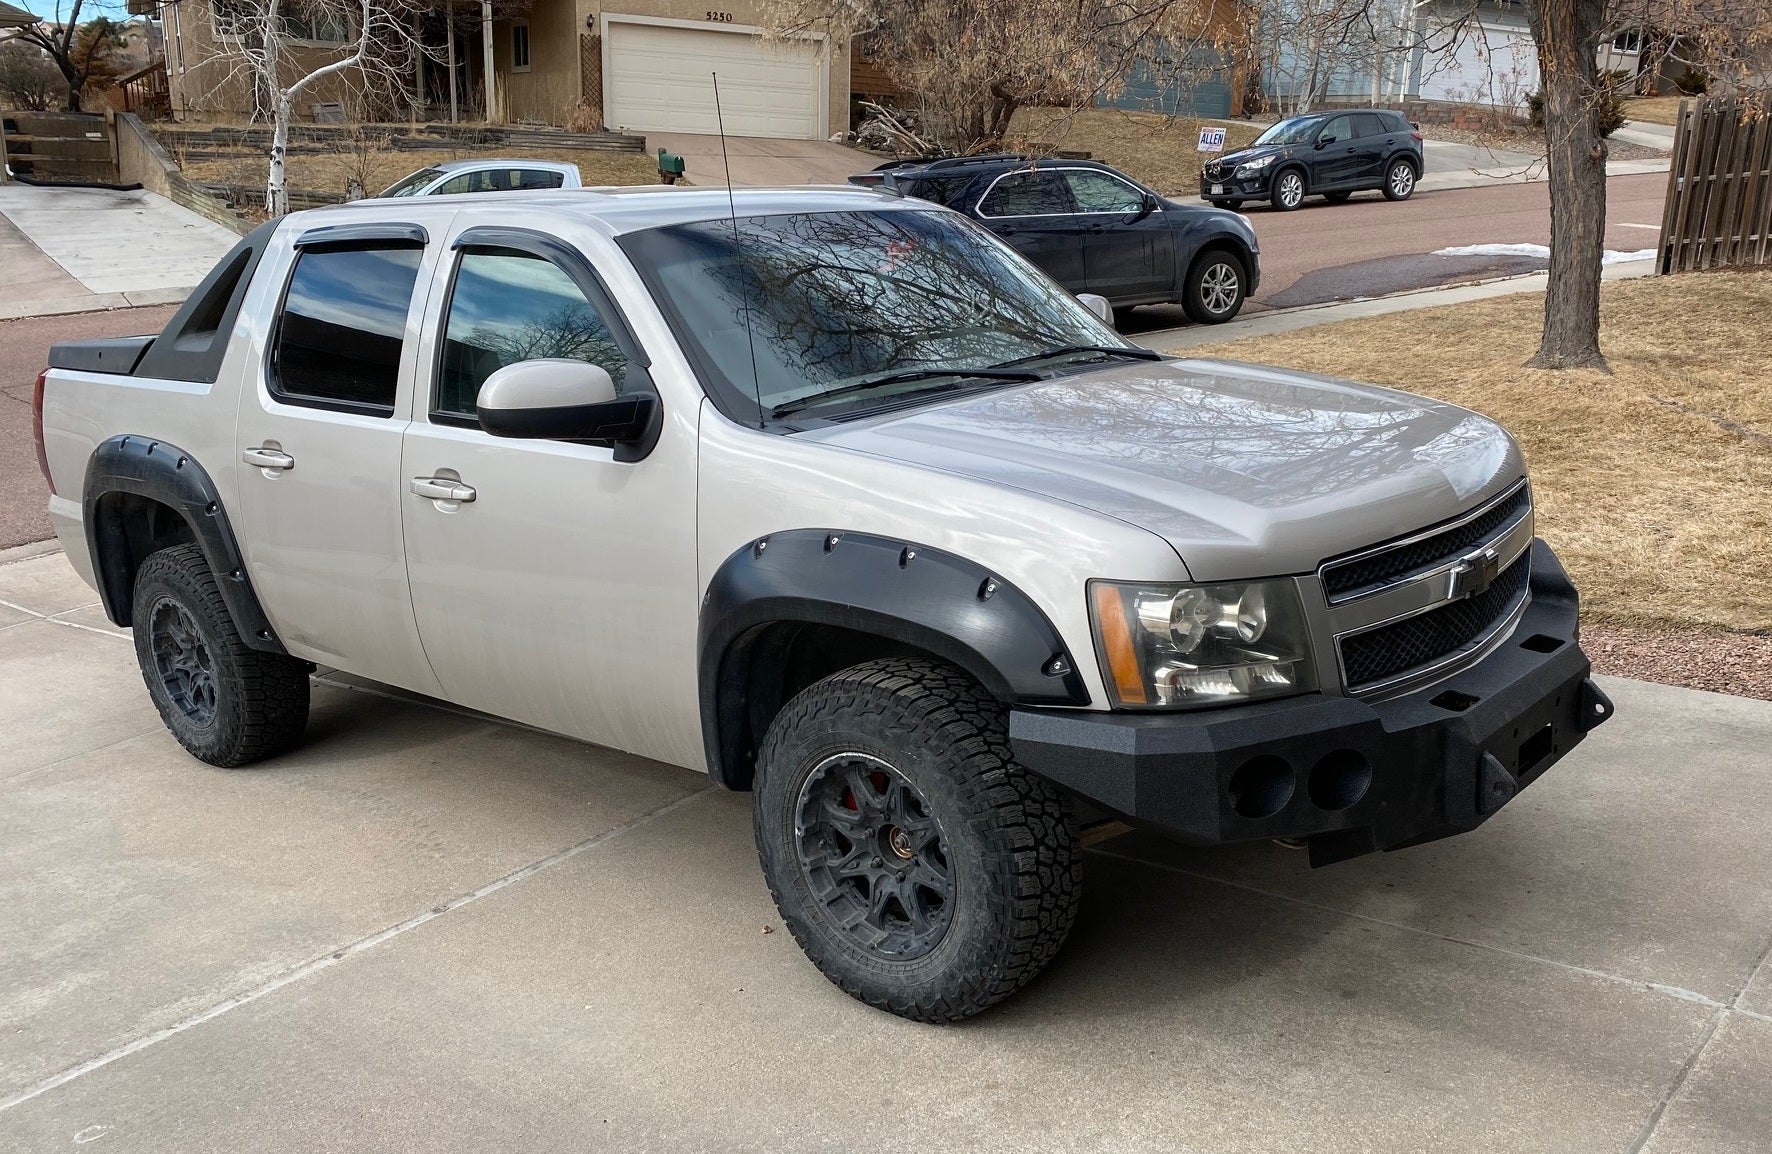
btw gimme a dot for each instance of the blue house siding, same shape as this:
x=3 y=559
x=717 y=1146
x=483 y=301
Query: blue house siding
x=1202 y=88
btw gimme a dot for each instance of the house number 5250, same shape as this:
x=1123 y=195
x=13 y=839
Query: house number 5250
x=720 y=17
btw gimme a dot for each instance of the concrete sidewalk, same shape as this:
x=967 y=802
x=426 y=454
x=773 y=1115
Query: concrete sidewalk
x=85 y=249
x=425 y=930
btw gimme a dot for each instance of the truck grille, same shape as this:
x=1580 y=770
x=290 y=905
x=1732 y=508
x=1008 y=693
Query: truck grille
x=1382 y=653
x=1343 y=580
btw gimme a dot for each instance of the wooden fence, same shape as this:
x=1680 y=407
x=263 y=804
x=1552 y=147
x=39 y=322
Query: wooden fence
x=1719 y=190
x=74 y=147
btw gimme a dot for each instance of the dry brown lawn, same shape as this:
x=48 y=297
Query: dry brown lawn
x=1147 y=146
x=1654 y=484
x=1654 y=109
x=379 y=168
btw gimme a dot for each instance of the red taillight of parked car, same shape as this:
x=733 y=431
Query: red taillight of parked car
x=37 y=429
x=1415 y=136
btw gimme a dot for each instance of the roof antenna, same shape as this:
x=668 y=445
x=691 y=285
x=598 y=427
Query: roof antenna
x=732 y=213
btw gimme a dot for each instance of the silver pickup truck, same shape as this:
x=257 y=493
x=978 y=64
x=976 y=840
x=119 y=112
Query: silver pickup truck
x=826 y=493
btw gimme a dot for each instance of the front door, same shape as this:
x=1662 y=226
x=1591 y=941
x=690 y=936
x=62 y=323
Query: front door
x=1128 y=253
x=1336 y=159
x=561 y=591
x=318 y=432
x=1033 y=211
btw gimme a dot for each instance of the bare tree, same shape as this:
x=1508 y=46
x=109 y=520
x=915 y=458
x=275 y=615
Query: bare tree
x=28 y=78
x=376 y=42
x=972 y=65
x=85 y=54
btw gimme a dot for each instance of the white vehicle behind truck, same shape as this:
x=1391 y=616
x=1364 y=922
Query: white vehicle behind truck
x=828 y=494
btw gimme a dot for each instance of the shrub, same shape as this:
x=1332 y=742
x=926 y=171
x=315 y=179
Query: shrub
x=1609 y=115
x=1693 y=81
x=28 y=79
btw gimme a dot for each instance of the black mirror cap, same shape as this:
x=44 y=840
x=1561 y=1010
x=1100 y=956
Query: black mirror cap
x=623 y=421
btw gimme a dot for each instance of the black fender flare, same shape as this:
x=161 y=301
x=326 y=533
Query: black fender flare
x=901 y=591
x=162 y=472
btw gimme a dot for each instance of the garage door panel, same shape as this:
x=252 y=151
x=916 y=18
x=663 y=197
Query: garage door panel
x=1493 y=66
x=659 y=79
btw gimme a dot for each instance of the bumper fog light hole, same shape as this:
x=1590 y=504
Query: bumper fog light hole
x=1339 y=780
x=1453 y=700
x=1261 y=786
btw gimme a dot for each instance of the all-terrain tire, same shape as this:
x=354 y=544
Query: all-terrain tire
x=227 y=703
x=1007 y=837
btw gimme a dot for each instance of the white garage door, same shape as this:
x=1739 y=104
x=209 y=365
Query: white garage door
x=660 y=78
x=1496 y=66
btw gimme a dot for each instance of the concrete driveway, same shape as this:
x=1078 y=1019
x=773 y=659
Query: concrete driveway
x=429 y=931
x=758 y=162
x=69 y=250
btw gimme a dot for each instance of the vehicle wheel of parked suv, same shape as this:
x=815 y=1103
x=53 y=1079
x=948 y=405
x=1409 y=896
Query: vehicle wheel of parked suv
x=920 y=868
x=1288 y=190
x=1399 y=182
x=1215 y=288
x=1337 y=197
x=225 y=702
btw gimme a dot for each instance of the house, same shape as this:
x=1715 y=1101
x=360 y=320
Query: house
x=1437 y=54
x=640 y=65
x=11 y=17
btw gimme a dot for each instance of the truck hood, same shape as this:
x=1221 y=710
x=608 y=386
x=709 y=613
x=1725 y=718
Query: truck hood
x=1246 y=471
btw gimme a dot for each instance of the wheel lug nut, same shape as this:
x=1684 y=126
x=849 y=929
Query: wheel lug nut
x=876 y=861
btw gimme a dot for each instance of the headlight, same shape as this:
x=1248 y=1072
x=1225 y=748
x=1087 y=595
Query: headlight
x=1255 y=165
x=1186 y=646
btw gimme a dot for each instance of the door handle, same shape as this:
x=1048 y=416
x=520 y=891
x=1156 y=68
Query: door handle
x=261 y=457
x=442 y=489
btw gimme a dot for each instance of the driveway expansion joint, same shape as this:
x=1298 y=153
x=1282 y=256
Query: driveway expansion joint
x=341 y=954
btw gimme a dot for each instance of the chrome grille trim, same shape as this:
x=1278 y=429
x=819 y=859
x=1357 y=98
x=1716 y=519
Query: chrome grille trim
x=1462 y=654
x=1456 y=547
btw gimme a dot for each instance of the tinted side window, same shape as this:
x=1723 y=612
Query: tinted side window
x=1027 y=194
x=1371 y=125
x=508 y=306
x=1341 y=128
x=1099 y=192
x=538 y=178
x=947 y=191
x=343 y=324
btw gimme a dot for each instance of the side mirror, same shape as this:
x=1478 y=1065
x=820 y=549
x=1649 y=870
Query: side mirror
x=1324 y=141
x=1104 y=312
x=1149 y=205
x=561 y=400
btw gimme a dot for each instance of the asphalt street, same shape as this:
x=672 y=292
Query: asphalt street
x=1370 y=246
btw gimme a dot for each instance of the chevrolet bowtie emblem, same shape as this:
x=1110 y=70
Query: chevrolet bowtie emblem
x=1474 y=573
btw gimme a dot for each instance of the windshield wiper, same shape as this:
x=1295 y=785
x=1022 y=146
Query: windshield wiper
x=994 y=373
x=1127 y=351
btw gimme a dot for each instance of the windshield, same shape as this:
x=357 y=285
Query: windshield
x=1295 y=131
x=409 y=186
x=838 y=298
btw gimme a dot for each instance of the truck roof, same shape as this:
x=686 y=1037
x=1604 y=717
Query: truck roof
x=620 y=209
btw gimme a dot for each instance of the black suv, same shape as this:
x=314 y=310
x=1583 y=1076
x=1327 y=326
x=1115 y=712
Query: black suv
x=1094 y=229
x=1331 y=154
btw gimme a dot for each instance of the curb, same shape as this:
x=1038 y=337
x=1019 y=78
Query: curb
x=1276 y=321
x=94 y=303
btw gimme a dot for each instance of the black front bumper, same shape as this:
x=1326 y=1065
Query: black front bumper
x=1250 y=188
x=1349 y=776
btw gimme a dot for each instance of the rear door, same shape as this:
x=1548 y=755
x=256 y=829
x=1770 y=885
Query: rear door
x=318 y=432
x=1127 y=252
x=1375 y=140
x=1032 y=209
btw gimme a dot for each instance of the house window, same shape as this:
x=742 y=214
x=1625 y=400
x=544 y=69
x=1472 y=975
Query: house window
x=236 y=19
x=519 y=46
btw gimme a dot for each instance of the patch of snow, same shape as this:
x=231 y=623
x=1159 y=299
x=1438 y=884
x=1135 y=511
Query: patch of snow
x=1538 y=251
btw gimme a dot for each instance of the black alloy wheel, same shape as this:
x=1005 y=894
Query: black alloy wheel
x=873 y=856
x=183 y=661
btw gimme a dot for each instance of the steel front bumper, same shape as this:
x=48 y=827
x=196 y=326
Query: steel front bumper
x=1350 y=776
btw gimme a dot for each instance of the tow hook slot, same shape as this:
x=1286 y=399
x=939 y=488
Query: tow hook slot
x=1596 y=707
